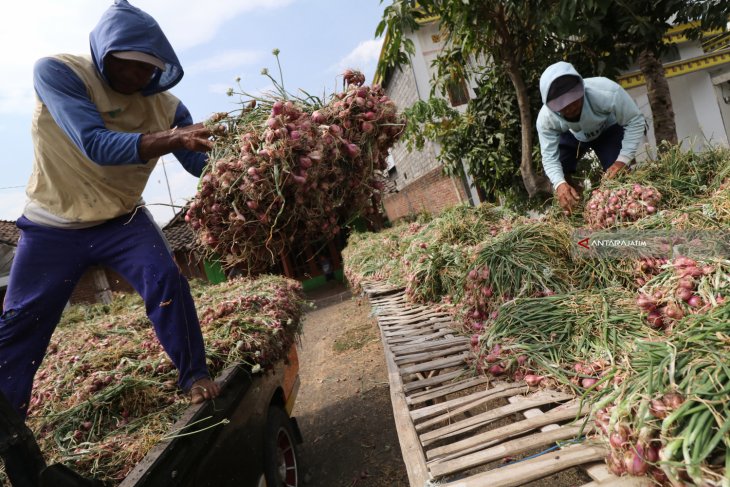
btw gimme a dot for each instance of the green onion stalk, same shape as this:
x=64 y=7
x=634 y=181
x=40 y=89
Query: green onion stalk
x=377 y=256
x=570 y=341
x=670 y=415
x=438 y=257
x=531 y=259
x=682 y=176
x=435 y=271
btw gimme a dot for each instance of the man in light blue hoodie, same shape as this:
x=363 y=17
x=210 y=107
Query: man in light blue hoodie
x=100 y=124
x=580 y=114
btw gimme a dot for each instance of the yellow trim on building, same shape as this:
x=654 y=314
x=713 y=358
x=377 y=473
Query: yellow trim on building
x=717 y=42
x=377 y=78
x=679 y=68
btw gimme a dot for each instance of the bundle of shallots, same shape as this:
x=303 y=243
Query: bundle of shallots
x=685 y=286
x=293 y=172
x=626 y=203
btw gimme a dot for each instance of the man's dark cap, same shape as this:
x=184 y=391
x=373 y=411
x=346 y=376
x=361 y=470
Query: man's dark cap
x=563 y=91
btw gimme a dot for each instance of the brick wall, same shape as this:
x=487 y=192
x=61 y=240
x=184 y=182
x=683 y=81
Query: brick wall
x=117 y=283
x=401 y=88
x=190 y=264
x=431 y=193
x=86 y=289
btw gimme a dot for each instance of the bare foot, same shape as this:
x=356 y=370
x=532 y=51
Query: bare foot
x=203 y=390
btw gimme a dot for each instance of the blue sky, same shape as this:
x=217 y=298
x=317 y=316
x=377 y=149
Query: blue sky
x=216 y=41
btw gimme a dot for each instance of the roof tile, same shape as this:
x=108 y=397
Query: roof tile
x=9 y=233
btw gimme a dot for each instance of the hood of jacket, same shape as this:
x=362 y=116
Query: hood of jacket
x=124 y=27
x=554 y=71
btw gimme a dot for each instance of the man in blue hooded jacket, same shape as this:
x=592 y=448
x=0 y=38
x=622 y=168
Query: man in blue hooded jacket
x=580 y=114
x=100 y=124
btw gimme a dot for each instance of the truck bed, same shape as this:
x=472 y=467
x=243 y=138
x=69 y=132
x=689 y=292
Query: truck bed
x=218 y=442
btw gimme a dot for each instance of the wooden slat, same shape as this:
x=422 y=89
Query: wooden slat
x=522 y=473
x=421 y=338
x=404 y=315
x=401 y=350
x=599 y=472
x=411 y=450
x=412 y=326
x=483 y=440
x=426 y=356
x=442 y=363
x=436 y=392
x=389 y=300
x=374 y=290
x=627 y=481
x=413 y=331
x=467 y=424
x=433 y=381
x=503 y=450
x=468 y=402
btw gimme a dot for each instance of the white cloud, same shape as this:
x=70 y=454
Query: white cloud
x=192 y=22
x=364 y=56
x=35 y=28
x=225 y=61
x=12 y=202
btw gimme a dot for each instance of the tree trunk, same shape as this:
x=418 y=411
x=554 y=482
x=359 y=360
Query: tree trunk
x=534 y=183
x=660 y=100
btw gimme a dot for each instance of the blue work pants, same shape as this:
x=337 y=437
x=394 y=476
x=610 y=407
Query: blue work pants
x=50 y=261
x=606 y=146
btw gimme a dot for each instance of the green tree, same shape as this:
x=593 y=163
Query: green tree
x=637 y=29
x=507 y=33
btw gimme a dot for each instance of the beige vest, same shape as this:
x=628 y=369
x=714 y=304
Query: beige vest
x=68 y=184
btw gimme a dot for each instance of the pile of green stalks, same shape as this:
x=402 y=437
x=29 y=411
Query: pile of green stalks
x=683 y=176
x=643 y=337
x=670 y=415
x=468 y=225
x=569 y=341
x=591 y=271
x=106 y=392
x=532 y=259
x=435 y=271
x=377 y=256
x=439 y=255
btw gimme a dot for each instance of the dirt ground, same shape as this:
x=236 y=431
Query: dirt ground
x=343 y=407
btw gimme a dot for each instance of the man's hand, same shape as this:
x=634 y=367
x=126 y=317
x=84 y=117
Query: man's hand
x=615 y=168
x=196 y=137
x=567 y=196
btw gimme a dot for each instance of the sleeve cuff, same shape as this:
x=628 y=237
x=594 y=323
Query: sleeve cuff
x=556 y=186
x=624 y=159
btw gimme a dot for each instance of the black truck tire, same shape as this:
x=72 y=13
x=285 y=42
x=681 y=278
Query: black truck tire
x=281 y=463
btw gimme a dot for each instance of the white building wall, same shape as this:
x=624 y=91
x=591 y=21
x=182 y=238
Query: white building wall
x=405 y=88
x=707 y=108
x=722 y=91
x=701 y=115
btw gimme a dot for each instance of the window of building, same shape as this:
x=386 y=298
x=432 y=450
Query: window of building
x=458 y=92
